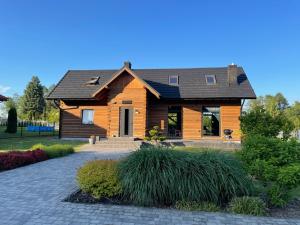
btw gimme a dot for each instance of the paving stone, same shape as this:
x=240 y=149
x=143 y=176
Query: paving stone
x=33 y=195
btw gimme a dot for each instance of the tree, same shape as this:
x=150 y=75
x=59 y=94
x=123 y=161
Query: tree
x=33 y=100
x=293 y=114
x=260 y=122
x=51 y=112
x=12 y=121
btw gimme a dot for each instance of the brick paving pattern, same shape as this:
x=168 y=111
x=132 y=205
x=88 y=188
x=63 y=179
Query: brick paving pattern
x=32 y=195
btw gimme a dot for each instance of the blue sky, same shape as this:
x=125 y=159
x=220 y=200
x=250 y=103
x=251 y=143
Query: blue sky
x=46 y=38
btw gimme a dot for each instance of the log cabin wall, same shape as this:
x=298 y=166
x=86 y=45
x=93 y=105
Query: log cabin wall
x=71 y=120
x=127 y=88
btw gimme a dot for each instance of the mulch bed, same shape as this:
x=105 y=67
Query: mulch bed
x=292 y=210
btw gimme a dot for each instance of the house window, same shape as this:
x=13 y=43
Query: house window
x=87 y=116
x=210 y=121
x=173 y=80
x=210 y=79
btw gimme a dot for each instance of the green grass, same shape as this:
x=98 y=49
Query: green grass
x=25 y=133
x=295 y=193
x=26 y=143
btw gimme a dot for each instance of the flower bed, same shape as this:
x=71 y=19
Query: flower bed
x=11 y=160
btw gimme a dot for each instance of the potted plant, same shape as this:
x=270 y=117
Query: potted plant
x=92 y=139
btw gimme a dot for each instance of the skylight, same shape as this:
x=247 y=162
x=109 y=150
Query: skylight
x=210 y=79
x=173 y=80
x=93 y=81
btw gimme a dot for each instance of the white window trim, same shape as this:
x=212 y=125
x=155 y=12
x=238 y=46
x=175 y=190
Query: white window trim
x=211 y=76
x=174 y=76
x=84 y=121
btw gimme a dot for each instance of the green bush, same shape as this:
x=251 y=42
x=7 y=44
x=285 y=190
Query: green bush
x=159 y=176
x=197 y=206
x=99 y=178
x=289 y=176
x=265 y=156
x=155 y=134
x=12 y=121
x=54 y=151
x=248 y=205
x=277 y=196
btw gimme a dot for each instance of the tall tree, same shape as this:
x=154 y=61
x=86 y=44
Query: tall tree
x=51 y=112
x=12 y=121
x=293 y=113
x=33 y=101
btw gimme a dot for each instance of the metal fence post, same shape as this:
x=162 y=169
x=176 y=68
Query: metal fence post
x=21 y=125
x=40 y=129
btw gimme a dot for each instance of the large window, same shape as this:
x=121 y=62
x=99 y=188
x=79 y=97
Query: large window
x=87 y=116
x=174 y=121
x=211 y=121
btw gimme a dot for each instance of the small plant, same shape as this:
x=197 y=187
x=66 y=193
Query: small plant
x=54 y=151
x=277 y=196
x=99 y=178
x=197 y=206
x=248 y=205
x=155 y=134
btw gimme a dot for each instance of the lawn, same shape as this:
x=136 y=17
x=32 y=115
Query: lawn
x=27 y=142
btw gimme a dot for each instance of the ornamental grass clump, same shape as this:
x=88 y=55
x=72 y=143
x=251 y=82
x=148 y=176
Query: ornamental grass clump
x=158 y=176
x=248 y=205
x=99 y=178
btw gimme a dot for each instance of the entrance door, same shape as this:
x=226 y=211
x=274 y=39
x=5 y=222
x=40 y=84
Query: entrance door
x=126 y=122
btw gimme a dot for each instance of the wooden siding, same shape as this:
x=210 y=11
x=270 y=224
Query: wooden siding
x=192 y=118
x=72 y=120
x=126 y=87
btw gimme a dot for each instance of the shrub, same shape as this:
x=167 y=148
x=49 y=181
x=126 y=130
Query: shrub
x=277 y=196
x=57 y=150
x=99 y=178
x=289 y=176
x=158 y=176
x=248 y=205
x=155 y=134
x=12 y=121
x=197 y=206
x=11 y=160
x=265 y=156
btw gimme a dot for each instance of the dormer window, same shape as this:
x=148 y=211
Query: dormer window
x=173 y=80
x=210 y=79
x=93 y=81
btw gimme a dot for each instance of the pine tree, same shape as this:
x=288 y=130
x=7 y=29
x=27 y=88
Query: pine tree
x=33 y=100
x=12 y=121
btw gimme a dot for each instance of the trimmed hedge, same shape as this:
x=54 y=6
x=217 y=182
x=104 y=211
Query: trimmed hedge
x=99 y=178
x=248 y=205
x=57 y=150
x=14 y=159
x=159 y=176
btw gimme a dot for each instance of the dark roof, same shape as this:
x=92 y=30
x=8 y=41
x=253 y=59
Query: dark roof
x=192 y=83
x=3 y=98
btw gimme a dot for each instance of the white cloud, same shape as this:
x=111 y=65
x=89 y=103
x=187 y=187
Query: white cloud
x=4 y=89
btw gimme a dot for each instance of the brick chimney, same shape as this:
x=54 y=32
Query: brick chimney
x=127 y=64
x=232 y=72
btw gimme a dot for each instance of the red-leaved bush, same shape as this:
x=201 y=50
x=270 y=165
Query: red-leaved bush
x=11 y=160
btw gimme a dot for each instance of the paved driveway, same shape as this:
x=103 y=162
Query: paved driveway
x=33 y=194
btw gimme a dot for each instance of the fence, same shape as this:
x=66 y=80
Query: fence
x=30 y=129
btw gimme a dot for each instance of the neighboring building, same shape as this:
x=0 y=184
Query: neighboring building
x=3 y=98
x=190 y=103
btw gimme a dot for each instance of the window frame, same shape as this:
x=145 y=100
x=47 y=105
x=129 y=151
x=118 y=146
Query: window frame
x=211 y=76
x=92 y=122
x=220 y=122
x=174 y=76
